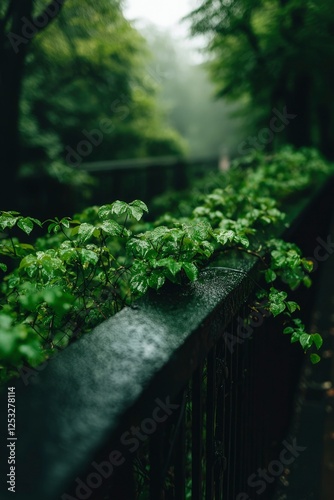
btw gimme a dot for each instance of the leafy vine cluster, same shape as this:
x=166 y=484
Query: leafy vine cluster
x=85 y=268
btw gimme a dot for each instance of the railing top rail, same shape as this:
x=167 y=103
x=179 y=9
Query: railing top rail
x=68 y=413
x=142 y=163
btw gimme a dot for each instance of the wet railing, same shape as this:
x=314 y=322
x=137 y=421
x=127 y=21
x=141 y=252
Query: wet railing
x=145 y=178
x=173 y=398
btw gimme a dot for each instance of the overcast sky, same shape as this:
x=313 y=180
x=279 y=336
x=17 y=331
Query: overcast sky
x=163 y=13
x=166 y=14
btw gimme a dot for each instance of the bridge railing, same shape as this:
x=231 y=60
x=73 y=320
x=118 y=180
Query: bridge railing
x=174 y=397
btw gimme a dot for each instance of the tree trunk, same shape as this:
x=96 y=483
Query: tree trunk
x=298 y=131
x=11 y=73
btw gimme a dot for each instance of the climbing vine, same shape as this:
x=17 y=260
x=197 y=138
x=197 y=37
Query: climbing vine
x=85 y=268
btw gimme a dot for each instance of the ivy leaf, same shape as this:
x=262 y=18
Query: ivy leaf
x=156 y=280
x=315 y=358
x=317 y=340
x=112 y=228
x=307 y=264
x=288 y=330
x=277 y=308
x=225 y=236
x=119 y=207
x=305 y=340
x=292 y=306
x=137 y=208
x=270 y=275
x=295 y=337
x=244 y=241
x=190 y=270
x=3 y=267
x=171 y=264
x=307 y=281
x=65 y=222
x=139 y=284
x=105 y=212
x=139 y=247
x=89 y=256
x=208 y=248
x=53 y=227
x=7 y=220
x=85 y=231
x=26 y=224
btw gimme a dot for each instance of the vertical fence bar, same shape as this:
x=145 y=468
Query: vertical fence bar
x=210 y=423
x=156 y=457
x=197 y=433
x=180 y=451
x=229 y=419
x=220 y=421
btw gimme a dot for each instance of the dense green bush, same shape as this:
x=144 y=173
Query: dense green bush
x=86 y=268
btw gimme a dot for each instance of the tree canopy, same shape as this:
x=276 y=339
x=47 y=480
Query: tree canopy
x=275 y=54
x=82 y=92
x=208 y=124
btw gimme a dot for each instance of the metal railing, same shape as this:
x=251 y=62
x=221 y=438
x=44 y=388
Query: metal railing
x=144 y=178
x=173 y=398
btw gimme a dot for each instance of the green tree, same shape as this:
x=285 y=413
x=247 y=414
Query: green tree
x=275 y=54
x=16 y=19
x=208 y=125
x=82 y=79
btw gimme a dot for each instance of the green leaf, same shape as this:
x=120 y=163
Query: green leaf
x=277 y=308
x=295 y=337
x=315 y=358
x=112 y=228
x=171 y=264
x=7 y=220
x=139 y=247
x=26 y=224
x=105 y=212
x=307 y=281
x=305 y=341
x=244 y=241
x=225 y=236
x=53 y=227
x=156 y=280
x=190 y=270
x=65 y=222
x=137 y=208
x=317 y=340
x=307 y=264
x=85 y=231
x=89 y=256
x=292 y=306
x=270 y=276
x=3 y=267
x=139 y=284
x=119 y=207
x=288 y=330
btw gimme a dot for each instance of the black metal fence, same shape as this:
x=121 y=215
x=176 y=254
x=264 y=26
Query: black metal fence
x=174 y=398
x=144 y=178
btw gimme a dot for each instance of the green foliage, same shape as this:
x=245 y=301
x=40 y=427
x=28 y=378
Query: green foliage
x=86 y=268
x=272 y=53
x=93 y=79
